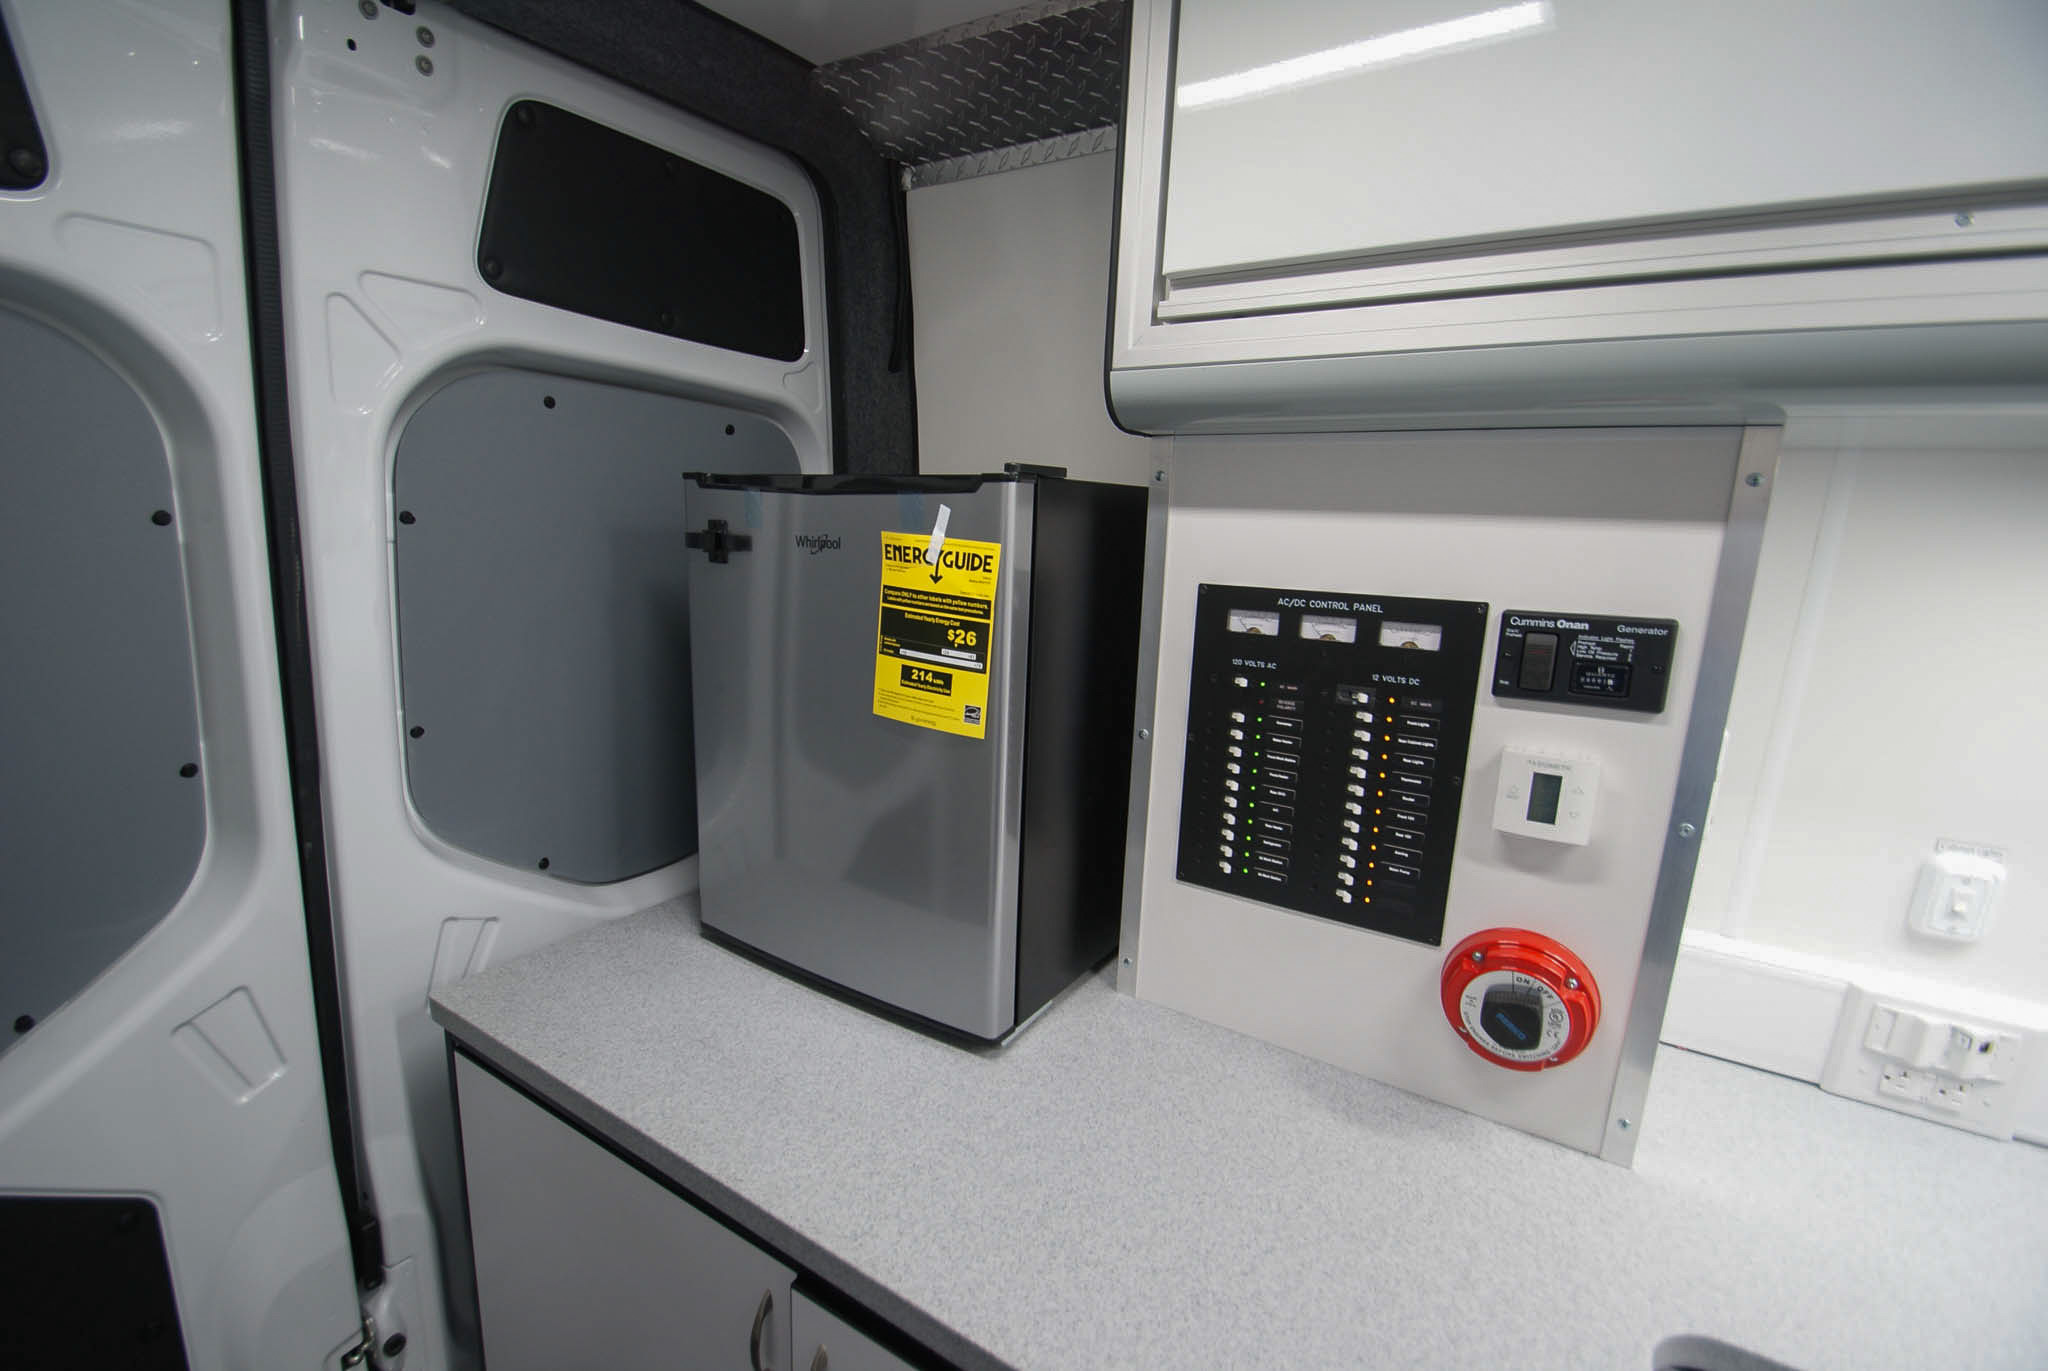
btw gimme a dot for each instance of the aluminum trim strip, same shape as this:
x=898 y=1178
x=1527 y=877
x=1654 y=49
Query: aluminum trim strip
x=1727 y=619
x=1151 y=606
x=1708 y=252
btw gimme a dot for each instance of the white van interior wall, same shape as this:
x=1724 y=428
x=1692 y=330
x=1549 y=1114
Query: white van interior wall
x=1011 y=277
x=1887 y=699
x=711 y=67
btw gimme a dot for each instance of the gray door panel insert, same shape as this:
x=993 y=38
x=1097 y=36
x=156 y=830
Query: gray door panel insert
x=101 y=823
x=543 y=615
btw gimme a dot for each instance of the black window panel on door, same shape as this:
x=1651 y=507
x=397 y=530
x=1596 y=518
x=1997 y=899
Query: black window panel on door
x=86 y=1281
x=585 y=218
x=24 y=161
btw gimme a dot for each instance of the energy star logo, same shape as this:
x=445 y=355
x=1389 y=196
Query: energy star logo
x=815 y=543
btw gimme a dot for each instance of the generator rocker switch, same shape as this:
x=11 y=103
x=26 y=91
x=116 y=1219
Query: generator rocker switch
x=1539 y=661
x=1546 y=795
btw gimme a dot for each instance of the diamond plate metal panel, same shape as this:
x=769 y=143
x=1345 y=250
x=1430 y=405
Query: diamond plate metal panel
x=1027 y=76
x=1012 y=158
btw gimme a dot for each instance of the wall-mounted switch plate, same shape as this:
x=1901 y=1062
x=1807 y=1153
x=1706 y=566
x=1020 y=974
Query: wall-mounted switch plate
x=1957 y=889
x=1928 y=1062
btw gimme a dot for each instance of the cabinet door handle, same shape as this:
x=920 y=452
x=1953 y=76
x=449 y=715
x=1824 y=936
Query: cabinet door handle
x=818 y=1361
x=760 y=1322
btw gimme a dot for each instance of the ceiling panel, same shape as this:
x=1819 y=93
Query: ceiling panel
x=821 y=31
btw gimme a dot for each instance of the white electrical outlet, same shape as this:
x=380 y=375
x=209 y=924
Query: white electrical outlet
x=1925 y=1061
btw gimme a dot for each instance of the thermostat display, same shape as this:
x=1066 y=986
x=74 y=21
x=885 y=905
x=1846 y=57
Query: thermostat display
x=1547 y=796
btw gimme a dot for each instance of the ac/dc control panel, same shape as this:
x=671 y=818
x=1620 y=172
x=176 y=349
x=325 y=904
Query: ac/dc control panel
x=1326 y=752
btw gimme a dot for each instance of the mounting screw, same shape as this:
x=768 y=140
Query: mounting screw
x=493 y=268
x=160 y=518
x=1623 y=1125
x=1478 y=956
x=1159 y=475
x=368 y=8
x=189 y=770
x=26 y=162
x=1144 y=735
x=426 y=37
x=405 y=516
x=395 y=1344
x=24 y=1022
x=1127 y=961
x=1571 y=983
x=416 y=732
x=425 y=64
x=1753 y=480
x=1964 y=218
x=1686 y=830
x=524 y=114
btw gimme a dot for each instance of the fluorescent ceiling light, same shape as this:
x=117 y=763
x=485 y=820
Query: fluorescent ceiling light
x=1426 y=41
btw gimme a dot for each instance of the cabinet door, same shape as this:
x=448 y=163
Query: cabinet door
x=1308 y=130
x=581 y=1260
x=826 y=1342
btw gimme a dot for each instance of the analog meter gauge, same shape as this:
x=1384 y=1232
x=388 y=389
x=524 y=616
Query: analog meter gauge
x=1265 y=622
x=1519 y=999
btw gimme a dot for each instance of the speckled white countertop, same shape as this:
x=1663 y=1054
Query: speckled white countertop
x=1124 y=1186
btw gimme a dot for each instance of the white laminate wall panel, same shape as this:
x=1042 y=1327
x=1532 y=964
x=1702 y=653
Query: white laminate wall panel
x=1593 y=112
x=1009 y=277
x=1616 y=522
x=1920 y=716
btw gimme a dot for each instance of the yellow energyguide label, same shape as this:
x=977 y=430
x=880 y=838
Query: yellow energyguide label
x=934 y=632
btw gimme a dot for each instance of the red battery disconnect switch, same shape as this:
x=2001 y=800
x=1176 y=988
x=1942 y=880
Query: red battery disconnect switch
x=1519 y=999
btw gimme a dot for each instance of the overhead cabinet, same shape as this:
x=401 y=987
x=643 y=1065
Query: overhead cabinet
x=1749 y=198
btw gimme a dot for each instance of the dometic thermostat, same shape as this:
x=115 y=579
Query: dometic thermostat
x=1543 y=795
x=1519 y=999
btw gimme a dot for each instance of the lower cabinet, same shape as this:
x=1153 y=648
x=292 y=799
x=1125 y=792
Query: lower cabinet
x=826 y=1342
x=583 y=1261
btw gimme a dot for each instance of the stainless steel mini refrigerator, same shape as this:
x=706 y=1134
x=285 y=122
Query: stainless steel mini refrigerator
x=913 y=707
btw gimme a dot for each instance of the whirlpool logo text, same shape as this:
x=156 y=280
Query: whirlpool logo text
x=815 y=543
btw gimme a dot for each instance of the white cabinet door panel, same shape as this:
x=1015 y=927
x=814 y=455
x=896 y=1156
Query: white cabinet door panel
x=1307 y=130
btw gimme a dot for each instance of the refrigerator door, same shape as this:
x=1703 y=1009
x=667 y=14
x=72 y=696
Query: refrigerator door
x=878 y=855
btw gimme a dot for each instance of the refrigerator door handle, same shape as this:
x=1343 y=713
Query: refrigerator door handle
x=716 y=539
